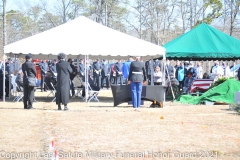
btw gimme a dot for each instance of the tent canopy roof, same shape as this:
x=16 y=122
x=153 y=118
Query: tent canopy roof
x=203 y=43
x=83 y=36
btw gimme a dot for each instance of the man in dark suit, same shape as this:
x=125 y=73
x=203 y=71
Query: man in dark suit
x=169 y=69
x=105 y=74
x=72 y=76
x=81 y=68
x=44 y=68
x=63 y=81
x=29 y=71
x=97 y=67
x=157 y=63
x=118 y=69
x=148 y=70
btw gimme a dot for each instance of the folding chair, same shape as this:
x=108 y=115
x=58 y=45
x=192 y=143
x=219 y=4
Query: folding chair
x=92 y=95
x=52 y=90
x=200 y=86
x=78 y=86
x=19 y=94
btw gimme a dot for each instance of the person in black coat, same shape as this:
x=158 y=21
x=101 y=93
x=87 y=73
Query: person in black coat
x=105 y=74
x=148 y=70
x=169 y=69
x=97 y=67
x=72 y=76
x=157 y=63
x=118 y=69
x=29 y=71
x=44 y=68
x=1 y=84
x=137 y=76
x=63 y=81
x=81 y=68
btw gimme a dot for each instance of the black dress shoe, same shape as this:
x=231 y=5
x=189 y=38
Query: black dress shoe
x=31 y=108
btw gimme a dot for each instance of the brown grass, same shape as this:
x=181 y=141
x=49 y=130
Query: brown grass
x=102 y=128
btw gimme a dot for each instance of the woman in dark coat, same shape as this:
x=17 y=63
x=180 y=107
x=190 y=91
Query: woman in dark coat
x=63 y=81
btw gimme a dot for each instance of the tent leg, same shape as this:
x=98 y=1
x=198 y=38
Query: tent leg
x=151 y=69
x=4 y=75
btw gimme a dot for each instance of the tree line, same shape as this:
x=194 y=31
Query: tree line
x=156 y=21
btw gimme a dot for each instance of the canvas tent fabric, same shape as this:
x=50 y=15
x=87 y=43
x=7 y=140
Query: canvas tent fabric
x=83 y=36
x=222 y=93
x=203 y=43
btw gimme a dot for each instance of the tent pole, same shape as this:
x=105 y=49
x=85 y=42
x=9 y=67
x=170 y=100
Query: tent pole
x=163 y=74
x=151 y=69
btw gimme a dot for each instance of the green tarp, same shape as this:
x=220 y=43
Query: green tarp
x=203 y=43
x=222 y=93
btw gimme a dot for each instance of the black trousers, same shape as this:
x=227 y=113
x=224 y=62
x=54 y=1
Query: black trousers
x=181 y=84
x=121 y=79
x=149 y=79
x=1 y=89
x=107 y=81
x=42 y=82
x=28 y=96
x=112 y=80
x=97 y=80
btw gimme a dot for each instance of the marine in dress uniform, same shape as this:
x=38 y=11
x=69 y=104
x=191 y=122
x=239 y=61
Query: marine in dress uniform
x=105 y=74
x=118 y=69
x=44 y=68
x=137 y=76
x=97 y=67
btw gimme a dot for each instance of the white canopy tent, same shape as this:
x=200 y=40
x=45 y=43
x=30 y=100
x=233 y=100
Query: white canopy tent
x=84 y=37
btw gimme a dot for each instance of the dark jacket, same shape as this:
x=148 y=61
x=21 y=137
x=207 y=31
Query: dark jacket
x=137 y=66
x=63 y=82
x=53 y=68
x=29 y=68
x=105 y=70
x=72 y=75
x=169 y=70
x=148 y=67
x=81 y=69
x=192 y=71
x=9 y=68
x=43 y=67
x=118 y=68
x=97 y=68
x=157 y=63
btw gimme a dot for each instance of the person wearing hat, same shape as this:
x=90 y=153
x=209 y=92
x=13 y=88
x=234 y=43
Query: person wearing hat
x=136 y=78
x=29 y=71
x=63 y=81
x=105 y=74
x=44 y=69
x=97 y=67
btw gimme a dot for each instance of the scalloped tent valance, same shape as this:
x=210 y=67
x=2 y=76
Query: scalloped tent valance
x=83 y=36
x=203 y=43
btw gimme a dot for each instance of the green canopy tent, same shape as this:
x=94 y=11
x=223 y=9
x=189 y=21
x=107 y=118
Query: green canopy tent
x=203 y=43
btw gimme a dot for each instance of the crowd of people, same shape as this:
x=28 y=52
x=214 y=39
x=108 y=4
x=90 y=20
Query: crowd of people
x=61 y=73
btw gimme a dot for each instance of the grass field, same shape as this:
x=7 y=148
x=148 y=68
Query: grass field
x=100 y=131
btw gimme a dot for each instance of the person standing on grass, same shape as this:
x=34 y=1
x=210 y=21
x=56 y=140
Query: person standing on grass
x=63 y=81
x=136 y=78
x=28 y=70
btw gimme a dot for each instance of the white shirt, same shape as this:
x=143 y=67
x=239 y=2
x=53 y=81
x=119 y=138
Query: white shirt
x=217 y=70
x=199 y=72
